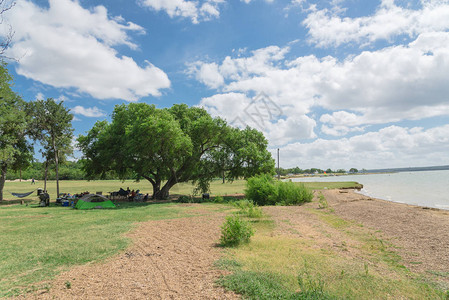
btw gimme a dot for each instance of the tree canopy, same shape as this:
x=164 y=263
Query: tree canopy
x=14 y=148
x=51 y=125
x=172 y=145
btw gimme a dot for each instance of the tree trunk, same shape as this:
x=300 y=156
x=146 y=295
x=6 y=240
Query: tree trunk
x=156 y=183
x=156 y=188
x=46 y=176
x=2 y=179
x=164 y=193
x=20 y=176
x=56 y=168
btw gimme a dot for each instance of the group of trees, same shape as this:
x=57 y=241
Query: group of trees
x=22 y=123
x=172 y=145
x=297 y=170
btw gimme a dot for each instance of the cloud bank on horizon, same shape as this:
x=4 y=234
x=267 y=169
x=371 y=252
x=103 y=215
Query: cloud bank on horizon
x=347 y=86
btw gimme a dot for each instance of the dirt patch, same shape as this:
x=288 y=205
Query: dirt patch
x=169 y=259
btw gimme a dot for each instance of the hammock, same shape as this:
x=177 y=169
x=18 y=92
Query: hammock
x=21 y=195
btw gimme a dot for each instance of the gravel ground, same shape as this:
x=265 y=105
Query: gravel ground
x=421 y=234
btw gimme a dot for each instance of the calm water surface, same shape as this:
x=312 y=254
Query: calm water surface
x=426 y=188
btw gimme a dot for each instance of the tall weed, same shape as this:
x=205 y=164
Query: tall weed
x=235 y=231
x=248 y=208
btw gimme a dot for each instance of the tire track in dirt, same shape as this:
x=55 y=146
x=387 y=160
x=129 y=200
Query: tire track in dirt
x=168 y=259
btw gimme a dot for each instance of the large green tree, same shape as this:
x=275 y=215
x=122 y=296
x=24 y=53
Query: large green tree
x=172 y=145
x=14 y=148
x=51 y=125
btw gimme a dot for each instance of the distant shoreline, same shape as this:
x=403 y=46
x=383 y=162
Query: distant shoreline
x=374 y=171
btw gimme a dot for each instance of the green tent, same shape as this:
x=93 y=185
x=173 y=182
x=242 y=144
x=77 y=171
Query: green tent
x=90 y=201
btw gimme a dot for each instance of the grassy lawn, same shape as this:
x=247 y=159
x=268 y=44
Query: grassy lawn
x=331 y=185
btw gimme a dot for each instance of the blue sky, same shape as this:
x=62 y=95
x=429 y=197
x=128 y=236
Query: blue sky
x=333 y=84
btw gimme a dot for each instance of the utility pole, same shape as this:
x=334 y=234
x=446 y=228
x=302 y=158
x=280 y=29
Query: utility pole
x=279 y=170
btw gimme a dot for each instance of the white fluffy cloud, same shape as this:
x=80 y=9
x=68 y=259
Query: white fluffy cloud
x=197 y=11
x=327 y=28
x=92 y=112
x=404 y=147
x=55 y=48
x=207 y=74
x=374 y=87
x=405 y=81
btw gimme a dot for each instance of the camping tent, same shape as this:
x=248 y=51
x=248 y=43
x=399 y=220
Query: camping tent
x=90 y=201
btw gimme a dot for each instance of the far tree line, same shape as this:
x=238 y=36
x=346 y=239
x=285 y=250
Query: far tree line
x=73 y=170
x=297 y=170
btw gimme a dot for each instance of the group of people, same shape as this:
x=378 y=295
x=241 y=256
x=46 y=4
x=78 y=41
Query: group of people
x=133 y=195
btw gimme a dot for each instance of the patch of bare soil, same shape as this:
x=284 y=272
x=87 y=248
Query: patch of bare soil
x=169 y=259
x=422 y=234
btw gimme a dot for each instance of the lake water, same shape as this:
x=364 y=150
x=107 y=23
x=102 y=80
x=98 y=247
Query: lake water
x=425 y=188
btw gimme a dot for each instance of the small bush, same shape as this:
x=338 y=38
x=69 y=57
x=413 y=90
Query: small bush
x=243 y=204
x=261 y=189
x=322 y=203
x=185 y=199
x=248 y=208
x=218 y=199
x=253 y=212
x=190 y=199
x=293 y=194
x=235 y=231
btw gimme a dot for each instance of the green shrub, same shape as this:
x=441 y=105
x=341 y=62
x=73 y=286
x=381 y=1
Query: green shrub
x=248 y=208
x=289 y=193
x=185 y=199
x=243 y=204
x=235 y=231
x=218 y=199
x=253 y=212
x=261 y=189
x=322 y=203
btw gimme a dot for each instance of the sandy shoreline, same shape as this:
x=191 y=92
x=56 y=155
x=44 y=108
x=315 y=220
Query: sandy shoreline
x=421 y=234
